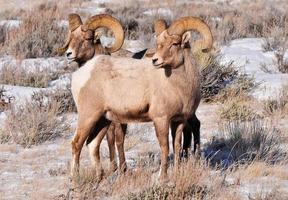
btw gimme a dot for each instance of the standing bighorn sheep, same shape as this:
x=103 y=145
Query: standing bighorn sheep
x=82 y=36
x=125 y=90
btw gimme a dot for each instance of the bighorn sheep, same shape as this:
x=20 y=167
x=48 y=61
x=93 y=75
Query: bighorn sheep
x=83 y=37
x=126 y=90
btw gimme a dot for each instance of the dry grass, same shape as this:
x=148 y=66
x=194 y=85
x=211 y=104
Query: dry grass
x=16 y=75
x=228 y=21
x=62 y=96
x=281 y=61
x=233 y=109
x=5 y=99
x=278 y=105
x=39 y=35
x=261 y=169
x=33 y=123
x=141 y=183
x=275 y=194
x=245 y=142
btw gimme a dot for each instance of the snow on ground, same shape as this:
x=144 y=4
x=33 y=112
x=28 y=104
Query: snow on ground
x=248 y=54
x=160 y=11
x=10 y=23
x=24 y=173
x=52 y=64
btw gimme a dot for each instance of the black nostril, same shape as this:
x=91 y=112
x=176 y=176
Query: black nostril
x=68 y=54
x=154 y=60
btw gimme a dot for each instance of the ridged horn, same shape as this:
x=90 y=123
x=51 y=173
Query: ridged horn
x=74 y=21
x=159 y=26
x=105 y=20
x=180 y=26
x=62 y=49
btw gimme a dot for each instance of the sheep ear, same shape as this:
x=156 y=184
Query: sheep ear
x=186 y=39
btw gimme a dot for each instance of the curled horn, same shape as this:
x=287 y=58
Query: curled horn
x=159 y=26
x=179 y=27
x=74 y=22
x=105 y=20
x=62 y=49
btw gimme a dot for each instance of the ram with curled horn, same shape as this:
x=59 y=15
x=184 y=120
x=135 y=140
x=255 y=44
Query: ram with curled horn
x=81 y=36
x=164 y=90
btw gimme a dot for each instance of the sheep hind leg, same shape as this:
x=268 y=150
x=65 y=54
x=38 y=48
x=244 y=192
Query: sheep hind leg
x=195 y=127
x=162 y=132
x=120 y=131
x=177 y=146
x=111 y=144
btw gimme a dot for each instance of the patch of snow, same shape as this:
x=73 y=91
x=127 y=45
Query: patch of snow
x=52 y=64
x=101 y=1
x=159 y=11
x=21 y=93
x=107 y=41
x=248 y=54
x=63 y=23
x=10 y=23
x=134 y=46
x=90 y=10
x=62 y=82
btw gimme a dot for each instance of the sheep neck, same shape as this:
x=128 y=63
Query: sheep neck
x=188 y=72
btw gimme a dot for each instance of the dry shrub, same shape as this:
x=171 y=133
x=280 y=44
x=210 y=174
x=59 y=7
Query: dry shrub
x=244 y=142
x=191 y=181
x=62 y=96
x=275 y=194
x=16 y=75
x=227 y=21
x=39 y=35
x=33 y=123
x=3 y=32
x=5 y=99
x=281 y=61
x=215 y=77
x=233 y=110
x=261 y=169
x=220 y=82
x=280 y=104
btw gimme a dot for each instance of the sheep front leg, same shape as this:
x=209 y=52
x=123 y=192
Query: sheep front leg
x=84 y=127
x=177 y=146
x=162 y=132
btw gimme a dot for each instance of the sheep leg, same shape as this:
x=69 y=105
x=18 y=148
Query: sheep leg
x=187 y=134
x=162 y=132
x=101 y=129
x=173 y=133
x=177 y=146
x=120 y=132
x=84 y=128
x=195 y=126
x=111 y=144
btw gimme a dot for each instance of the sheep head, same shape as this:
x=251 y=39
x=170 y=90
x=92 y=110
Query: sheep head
x=80 y=45
x=173 y=40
